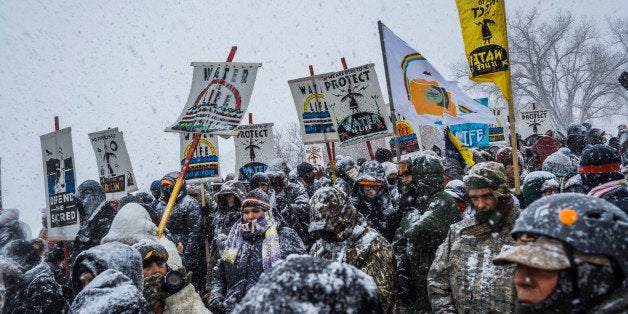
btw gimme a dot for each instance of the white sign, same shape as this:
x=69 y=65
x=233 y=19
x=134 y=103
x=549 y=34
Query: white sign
x=60 y=181
x=314 y=155
x=114 y=165
x=315 y=118
x=254 y=149
x=204 y=163
x=219 y=96
x=533 y=122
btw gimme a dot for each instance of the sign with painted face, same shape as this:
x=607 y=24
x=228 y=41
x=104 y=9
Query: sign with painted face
x=472 y=134
x=355 y=101
x=219 y=96
x=60 y=181
x=533 y=122
x=313 y=110
x=114 y=165
x=314 y=155
x=254 y=149
x=406 y=136
x=204 y=163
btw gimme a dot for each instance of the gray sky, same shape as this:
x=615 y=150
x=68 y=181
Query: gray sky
x=125 y=64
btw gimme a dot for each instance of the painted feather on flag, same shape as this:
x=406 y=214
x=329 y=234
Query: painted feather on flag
x=421 y=94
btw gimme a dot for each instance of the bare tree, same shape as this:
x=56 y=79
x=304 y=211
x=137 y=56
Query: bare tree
x=289 y=145
x=564 y=65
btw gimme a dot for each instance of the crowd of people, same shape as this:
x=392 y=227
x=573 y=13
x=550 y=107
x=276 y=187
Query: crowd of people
x=424 y=234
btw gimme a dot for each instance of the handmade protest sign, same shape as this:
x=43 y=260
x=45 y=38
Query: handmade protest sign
x=204 y=165
x=313 y=110
x=114 y=165
x=60 y=181
x=254 y=149
x=219 y=96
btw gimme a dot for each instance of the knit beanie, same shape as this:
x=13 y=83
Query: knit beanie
x=257 y=198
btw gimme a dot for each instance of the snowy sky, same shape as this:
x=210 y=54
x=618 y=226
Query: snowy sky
x=126 y=64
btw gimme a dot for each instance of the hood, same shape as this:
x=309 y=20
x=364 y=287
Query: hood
x=427 y=174
x=533 y=185
x=331 y=210
x=305 y=284
x=131 y=224
x=277 y=167
x=22 y=254
x=370 y=171
x=114 y=256
x=10 y=227
x=91 y=194
x=172 y=177
x=234 y=187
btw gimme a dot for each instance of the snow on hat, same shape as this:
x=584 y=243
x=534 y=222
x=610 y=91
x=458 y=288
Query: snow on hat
x=389 y=168
x=453 y=168
x=304 y=168
x=488 y=174
x=456 y=189
x=22 y=254
x=599 y=159
x=533 y=183
x=545 y=253
x=151 y=251
x=560 y=163
x=155 y=186
x=257 y=198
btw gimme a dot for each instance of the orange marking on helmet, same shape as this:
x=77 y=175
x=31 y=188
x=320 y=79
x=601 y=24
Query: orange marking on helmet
x=568 y=216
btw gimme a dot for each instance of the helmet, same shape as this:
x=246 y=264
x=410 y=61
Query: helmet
x=588 y=224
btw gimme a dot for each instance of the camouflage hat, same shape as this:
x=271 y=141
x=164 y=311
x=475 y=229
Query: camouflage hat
x=544 y=253
x=427 y=165
x=331 y=210
x=488 y=174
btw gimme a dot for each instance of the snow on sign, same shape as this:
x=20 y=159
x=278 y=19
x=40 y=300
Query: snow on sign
x=60 y=180
x=314 y=155
x=113 y=162
x=254 y=149
x=204 y=163
x=355 y=101
x=472 y=134
x=219 y=96
x=313 y=110
x=533 y=122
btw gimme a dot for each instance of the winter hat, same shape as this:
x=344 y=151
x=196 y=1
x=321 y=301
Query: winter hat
x=504 y=157
x=90 y=192
x=560 y=163
x=596 y=136
x=490 y=175
x=348 y=166
x=576 y=128
x=383 y=154
x=452 y=168
x=277 y=167
x=331 y=210
x=22 y=254
x=533 y=185
x=151 y=251
x=599 y=164
x=389 y=168
x=456 y=189
x=155 y=187
x=573 y=185
x=144 y=197
x=430 y=165
x=304 y=168
x=258 y=179
x=234 y=187
x=257 y=198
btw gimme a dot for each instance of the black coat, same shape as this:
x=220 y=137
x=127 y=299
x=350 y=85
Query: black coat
x=231 y=281
x=37 y=291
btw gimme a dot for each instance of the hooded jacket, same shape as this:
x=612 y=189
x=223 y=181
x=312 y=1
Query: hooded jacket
x=35 y=290
x=10 y=228
x=380 y=213
x=353 y=241
x=133 y=224
x=423 y=228
x=96 y=216
x=118 y=283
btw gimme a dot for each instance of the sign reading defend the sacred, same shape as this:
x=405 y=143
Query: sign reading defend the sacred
x=60 y=180
x=204 y=163
x=114 y=165
x=356 y=104
x=313 y=110
x=254 y=149
x=219 y=96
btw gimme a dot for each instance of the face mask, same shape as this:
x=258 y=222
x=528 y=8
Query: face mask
x=167 y=189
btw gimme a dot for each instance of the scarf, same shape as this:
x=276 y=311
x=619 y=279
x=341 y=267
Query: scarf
x=264 y=225
x=600 y=190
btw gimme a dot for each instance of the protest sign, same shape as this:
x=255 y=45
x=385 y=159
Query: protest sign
x=60 y=181
x=254 y=149
x=204 y=165
x=114 y=165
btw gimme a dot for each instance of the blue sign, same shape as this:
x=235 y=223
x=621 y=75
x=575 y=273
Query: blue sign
x=472 y=134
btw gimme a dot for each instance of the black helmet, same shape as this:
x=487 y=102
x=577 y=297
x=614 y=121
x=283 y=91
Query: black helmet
x=588 y=224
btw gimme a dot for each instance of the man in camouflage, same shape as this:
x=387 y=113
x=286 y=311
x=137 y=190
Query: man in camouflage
x=344 y=236
x=428 y=213
x=463 y=278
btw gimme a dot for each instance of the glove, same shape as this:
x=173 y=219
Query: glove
x=153 y=290
x=187 y=276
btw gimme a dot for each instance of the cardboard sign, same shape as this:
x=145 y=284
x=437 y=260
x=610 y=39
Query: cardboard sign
x=314 y=155
x=254 y=149
x=114 y=165
x=204 y=165
x=313 y=110
x=533 y=122
x=219 y=96
x=60 y=181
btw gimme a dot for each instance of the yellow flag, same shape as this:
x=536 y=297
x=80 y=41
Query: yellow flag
x=463 y=150
x=483 y=25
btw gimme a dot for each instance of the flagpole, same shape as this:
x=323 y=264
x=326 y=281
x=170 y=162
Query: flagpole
x=393 y=118
x=184 y=168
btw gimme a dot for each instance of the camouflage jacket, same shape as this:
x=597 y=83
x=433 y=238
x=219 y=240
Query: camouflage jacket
x=367 y=250
x=463 y=278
